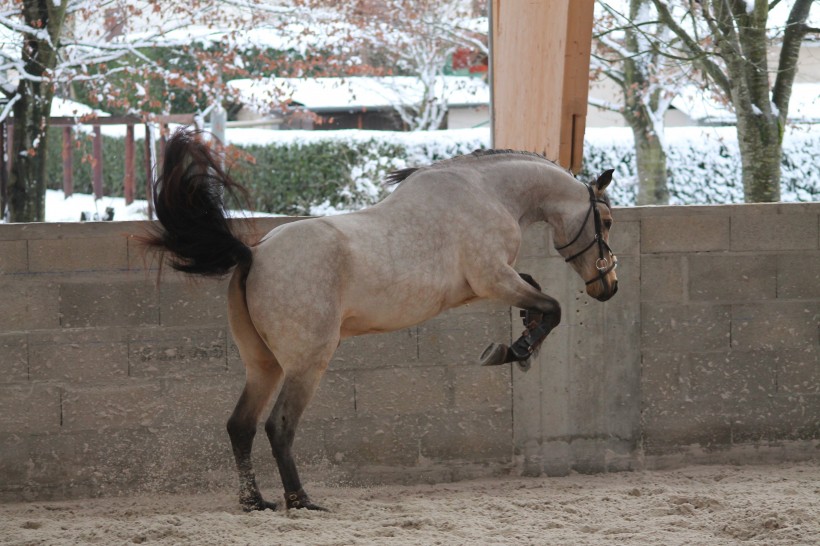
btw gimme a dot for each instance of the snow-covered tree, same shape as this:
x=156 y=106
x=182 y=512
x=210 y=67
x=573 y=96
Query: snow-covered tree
x=106 y=49
x=626 y=52
x=417 y=38
x=729 y=41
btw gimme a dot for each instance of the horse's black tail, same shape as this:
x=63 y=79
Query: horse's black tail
x=188 y=200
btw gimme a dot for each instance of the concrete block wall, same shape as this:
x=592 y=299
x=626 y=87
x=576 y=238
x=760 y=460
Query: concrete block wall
x=729 y=335
x=110 y=383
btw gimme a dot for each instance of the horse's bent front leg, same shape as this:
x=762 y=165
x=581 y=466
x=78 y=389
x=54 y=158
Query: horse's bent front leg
x=297 y=391
x=541 y=315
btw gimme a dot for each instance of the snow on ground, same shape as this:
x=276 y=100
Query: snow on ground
x=715 y=505
x=62 y=209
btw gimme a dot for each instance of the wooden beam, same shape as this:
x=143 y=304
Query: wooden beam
x=97 y=163
x=149 y=172
x=68 y=162
x=129 y=179
x=539 y=70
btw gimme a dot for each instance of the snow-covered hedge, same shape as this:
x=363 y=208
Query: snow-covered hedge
x=703 y=165
x=322 y=172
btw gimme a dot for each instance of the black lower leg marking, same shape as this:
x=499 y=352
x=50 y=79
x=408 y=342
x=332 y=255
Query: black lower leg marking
x=242 y=435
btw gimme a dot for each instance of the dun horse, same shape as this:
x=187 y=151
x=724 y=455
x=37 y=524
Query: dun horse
x=449 y=234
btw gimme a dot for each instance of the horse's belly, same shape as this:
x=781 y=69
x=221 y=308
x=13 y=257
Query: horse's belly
x=369 y=315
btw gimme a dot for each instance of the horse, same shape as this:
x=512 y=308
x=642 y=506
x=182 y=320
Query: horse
x=448 y=234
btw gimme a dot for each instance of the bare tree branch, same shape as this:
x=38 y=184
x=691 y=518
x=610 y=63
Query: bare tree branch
x=711 y=68
x=796 y=31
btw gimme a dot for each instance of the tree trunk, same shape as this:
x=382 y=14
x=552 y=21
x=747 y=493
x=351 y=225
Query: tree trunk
x=650 y=158
x=36 y=90
x=760 y=142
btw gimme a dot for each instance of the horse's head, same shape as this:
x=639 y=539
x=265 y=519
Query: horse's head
x=583 y=240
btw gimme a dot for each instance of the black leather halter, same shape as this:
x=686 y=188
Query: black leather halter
x=602 y=264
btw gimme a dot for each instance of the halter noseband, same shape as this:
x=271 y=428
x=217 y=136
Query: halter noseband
x=601 y=264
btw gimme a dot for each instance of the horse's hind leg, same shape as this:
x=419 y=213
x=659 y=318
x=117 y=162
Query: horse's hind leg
x=263 y=375
x=298 y=389
x=259 y=386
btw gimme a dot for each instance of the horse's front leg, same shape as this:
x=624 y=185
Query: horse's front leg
x=297 y=391
x=541 y=315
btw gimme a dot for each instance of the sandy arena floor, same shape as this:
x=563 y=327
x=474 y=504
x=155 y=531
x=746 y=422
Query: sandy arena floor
x=698 y=505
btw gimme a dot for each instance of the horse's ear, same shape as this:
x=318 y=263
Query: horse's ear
x=603 y=180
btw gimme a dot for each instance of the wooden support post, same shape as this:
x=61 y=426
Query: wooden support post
x=149 y=172
x=539 y=71
x=128 y=182
x=97 y=171
x=5 y=150
x=68 y=163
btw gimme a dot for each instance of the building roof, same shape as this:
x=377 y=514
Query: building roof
x=357 y=93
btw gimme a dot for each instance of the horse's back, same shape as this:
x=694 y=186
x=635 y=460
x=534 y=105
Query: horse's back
x=393 y=265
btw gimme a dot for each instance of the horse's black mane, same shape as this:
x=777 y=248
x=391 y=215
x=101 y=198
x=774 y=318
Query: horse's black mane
x=398 y=176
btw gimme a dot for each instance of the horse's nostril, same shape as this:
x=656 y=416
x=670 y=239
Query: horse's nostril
x=614 y=288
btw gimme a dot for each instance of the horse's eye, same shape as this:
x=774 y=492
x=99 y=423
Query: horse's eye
x=608 y=224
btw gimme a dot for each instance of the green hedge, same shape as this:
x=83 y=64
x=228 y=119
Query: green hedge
x=113 y=164
x=308 y=173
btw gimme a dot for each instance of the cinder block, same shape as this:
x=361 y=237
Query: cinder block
x=589 y=455
x=29 y=306
x=177 y=352
x=536 y=241
x=685 y=424
x=798 y=370
x=625 y=237
x=201 y=401
x=460 y=338
x=701 y=232
x=487 y=388
x=775 y=324
x=736 y=377
x=193 y=303
x=111 y=462
x=78 y=355
x=555 y=459
x=683 y=328
x=401 y=391
x=114 y=407
x=30 y=409
x=335 y=398
x=776 y=230
x=798 y=276
x=377 y=351
x=13 y=358
x=198 y=457
x=471 y=435
x=780 y=418
x=732 y=278
x=13 y=468
x=13 y=257
x=664 y=376
x=377 y=440
x=130 y=303
x=78 y=254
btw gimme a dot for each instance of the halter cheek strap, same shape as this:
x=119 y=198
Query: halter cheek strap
x=602 y=264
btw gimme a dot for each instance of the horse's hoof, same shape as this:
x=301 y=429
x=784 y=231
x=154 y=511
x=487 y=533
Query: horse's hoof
x=299 y=500
x=257 y=505
x=494 y=355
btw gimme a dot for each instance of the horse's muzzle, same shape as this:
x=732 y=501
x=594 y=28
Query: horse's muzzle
x=607 y=294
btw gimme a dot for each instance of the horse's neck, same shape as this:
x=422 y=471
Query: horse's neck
x=535 y=191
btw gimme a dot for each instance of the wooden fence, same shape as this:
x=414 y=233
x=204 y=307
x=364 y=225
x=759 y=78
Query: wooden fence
x=67 y=123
